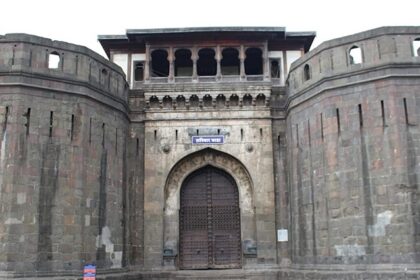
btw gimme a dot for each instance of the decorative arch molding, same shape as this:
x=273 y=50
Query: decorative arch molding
x=188 y=165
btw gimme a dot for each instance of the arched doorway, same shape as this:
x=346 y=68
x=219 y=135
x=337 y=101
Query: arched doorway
x=210 y=230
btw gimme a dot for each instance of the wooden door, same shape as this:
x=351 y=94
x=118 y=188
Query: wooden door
x=209 y=221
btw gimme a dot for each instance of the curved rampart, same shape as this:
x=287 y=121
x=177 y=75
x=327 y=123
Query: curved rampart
x=332 y=64
x=63 y=127
x=44 y=64
x=353 y=151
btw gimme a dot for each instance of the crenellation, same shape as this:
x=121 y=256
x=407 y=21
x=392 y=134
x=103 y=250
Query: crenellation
x=372 y=54
x=379 y=118
x=31 y=54
x=322 y=156
x=41 y=127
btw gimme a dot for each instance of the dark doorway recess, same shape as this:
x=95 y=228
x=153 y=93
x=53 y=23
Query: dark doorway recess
x=253 y=62
x=160 y=63
x=230 y=62
x=210 y=231
x=206 y=64
x=183 y=63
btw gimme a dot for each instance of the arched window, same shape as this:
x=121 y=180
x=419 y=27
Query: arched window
x=206 y=64
x=160 y=63
x=274 y=68
x=230 y=62
x=154 y=102
x=167 y=102
x=260 y=101
x=234 y=100
x=416 y=47
x=183 y=63
x=104 y=74
x=194 y=102
x=247 y=100
x=253 y=62
x=220 y=101
x=355 y=55
x=53 y=60
x=306 y=72
x=180 y=101
x=207 y=100
x=138 y=71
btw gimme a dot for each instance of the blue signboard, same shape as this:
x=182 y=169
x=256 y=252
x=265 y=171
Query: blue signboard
x=89 y=272
x=209 y=140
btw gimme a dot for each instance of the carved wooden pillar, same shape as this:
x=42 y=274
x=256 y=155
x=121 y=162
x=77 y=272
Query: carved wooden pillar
x=281 y=74
x=147 y=62
x=218 y=60
x=171 y=59
x=194 y=58
x=242 y=57
x=266 y=62
x=131 y=70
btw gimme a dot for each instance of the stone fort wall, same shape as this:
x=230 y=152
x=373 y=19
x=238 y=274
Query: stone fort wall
x=344 y=144
x=352 y=152
x=62 y=148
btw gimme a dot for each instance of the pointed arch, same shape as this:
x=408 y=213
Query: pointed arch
x=193 y=162
x=209 y=220
x=355 y=55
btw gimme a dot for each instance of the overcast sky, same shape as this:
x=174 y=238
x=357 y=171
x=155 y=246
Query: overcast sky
x=80 y=21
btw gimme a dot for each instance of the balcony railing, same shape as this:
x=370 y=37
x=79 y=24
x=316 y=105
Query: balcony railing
x=203 y=79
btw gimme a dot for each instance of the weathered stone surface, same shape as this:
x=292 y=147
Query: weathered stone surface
x=351 y=136
x=91 y=171
x=57 y=190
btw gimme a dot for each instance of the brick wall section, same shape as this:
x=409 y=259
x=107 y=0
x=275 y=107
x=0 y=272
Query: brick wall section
x=245 y=127
x=277 y=103
x=135 y=162
x=332 y=157
x=62 y=170
x=352 y=145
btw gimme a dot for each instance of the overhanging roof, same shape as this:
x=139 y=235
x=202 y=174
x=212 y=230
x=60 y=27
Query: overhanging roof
x=140 y=36
x=190 y=30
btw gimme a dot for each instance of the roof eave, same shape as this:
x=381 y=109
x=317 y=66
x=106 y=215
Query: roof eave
x=191 y=30
x=306 y=36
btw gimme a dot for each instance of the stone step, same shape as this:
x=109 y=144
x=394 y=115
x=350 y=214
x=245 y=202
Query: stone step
x=202 y=275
